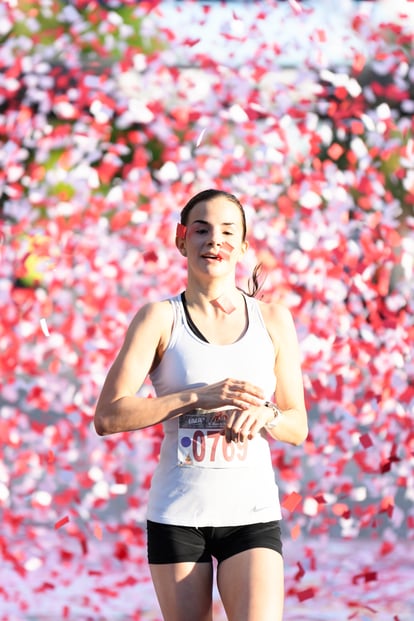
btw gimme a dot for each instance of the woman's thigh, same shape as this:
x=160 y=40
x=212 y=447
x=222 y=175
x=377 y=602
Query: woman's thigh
x=184 y=590
x=251 y=585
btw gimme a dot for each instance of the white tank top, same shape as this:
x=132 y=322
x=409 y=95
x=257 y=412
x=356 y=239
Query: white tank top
x=201 y=480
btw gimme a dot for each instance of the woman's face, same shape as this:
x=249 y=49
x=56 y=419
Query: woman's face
x=213 y=242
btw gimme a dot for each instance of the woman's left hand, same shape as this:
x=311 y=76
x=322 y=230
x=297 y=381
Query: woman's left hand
x=245 y=424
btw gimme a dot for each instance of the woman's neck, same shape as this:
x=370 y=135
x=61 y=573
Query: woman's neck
x=219 y=320
x=204 y=296
x=215 y=304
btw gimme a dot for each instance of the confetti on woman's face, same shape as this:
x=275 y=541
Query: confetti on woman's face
x=181 y=231
x=225 y=251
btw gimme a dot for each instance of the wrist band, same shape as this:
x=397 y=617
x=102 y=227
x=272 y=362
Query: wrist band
x=277 y=413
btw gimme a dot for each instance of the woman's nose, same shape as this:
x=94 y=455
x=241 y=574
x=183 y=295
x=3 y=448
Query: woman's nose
x=215 y=238
x=214 y=244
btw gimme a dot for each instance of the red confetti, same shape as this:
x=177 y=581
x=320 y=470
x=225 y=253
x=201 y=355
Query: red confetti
x=365 y=440
x=61 y=522
x=181 y=231
x=306 y=594
x=191 y=42
x=367 y=576
x=335 y=151
x=300 y=573
x=322 y=159
x=387 y=505
x=225 y=251
x=291 y=501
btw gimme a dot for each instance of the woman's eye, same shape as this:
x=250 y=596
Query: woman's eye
x=201 y=231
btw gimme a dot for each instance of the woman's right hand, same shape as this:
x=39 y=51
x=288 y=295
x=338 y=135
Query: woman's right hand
x=237 y=393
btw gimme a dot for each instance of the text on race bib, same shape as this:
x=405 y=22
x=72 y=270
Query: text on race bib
x=201 y=441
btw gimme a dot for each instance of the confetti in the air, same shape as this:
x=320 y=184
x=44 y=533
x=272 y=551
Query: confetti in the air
x=296 y=6
x=200 y=137
x=2 y=243
x=62 y=522
x=291 y=501
x=306 y=594
x=308 y=122
x=43 y=325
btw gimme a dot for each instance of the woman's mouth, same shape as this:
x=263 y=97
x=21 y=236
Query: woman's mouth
x=212 y=257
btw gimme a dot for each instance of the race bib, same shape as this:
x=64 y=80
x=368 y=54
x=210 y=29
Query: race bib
x=201 y=440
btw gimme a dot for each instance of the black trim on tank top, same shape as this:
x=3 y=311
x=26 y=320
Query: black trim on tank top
x=190 y=322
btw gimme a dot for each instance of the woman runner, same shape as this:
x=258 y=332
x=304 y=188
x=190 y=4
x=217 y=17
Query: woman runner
x=226 y=372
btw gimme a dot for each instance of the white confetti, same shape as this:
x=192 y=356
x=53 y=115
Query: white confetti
x=310 y=200
x=200 y=138
x=33 y=563
x=44 y=327
x=410 y=149
x=237 y=114
x=297 y=8
x=42 y=498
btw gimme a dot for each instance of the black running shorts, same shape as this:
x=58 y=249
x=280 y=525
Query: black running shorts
x=178 y=544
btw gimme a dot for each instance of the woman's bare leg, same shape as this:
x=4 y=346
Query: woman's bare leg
x=251 y=585
x=184 y=590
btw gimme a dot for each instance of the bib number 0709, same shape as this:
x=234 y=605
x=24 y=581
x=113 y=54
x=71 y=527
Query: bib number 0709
x=211 y=446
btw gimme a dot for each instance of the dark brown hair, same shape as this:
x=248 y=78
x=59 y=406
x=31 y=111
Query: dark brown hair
x=207 y=195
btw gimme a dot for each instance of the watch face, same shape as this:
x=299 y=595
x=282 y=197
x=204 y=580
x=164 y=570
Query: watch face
x=276 y=414
x=273 y=407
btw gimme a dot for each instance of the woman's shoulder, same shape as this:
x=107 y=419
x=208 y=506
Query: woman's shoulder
x=158 y=314
x=152 y=326
x=277 y=317
x=275 y=311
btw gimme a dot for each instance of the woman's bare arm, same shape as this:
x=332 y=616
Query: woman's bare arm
x=119 y=409
x=289 y=396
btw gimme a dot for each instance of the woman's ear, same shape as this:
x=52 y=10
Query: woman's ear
x=180 y=238
x=180 y=243
x=244 y=247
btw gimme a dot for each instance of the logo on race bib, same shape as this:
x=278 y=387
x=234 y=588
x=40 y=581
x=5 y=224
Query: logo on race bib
x=201 y=440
